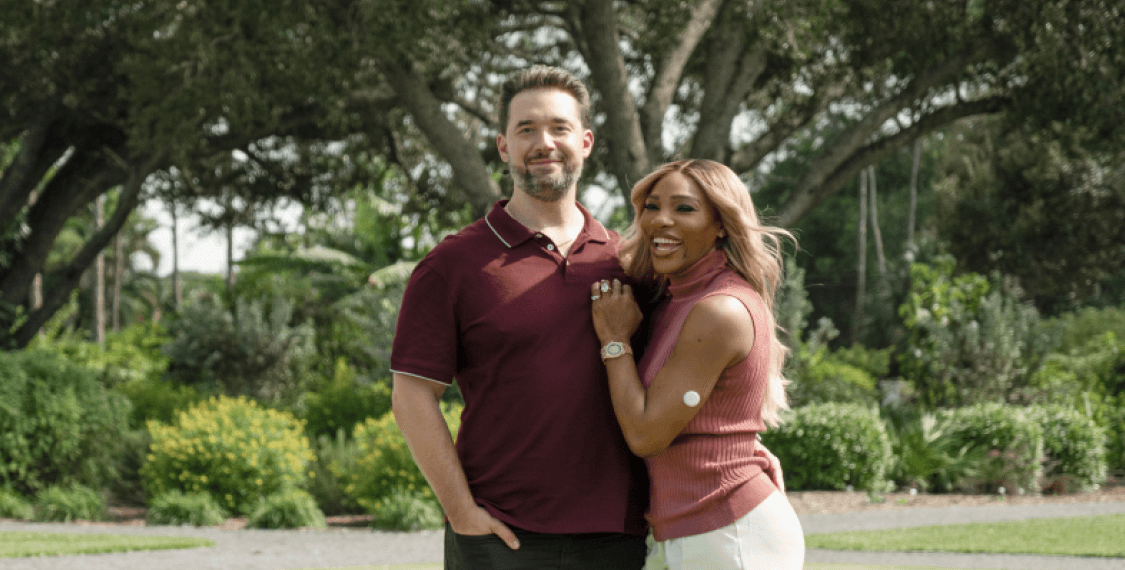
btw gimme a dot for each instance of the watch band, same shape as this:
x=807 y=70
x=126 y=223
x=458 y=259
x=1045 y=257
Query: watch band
x=615 y=349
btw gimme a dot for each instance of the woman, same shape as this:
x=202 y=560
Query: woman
x=710 y=378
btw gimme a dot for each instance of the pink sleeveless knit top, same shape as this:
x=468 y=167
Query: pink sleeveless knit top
x=708 y=477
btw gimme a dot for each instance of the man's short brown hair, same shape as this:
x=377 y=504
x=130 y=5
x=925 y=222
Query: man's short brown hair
x=543 y=77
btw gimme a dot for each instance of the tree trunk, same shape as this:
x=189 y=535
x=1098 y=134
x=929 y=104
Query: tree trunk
x=469 y=168
x=99 y=274
x=230 y=257
x=65 y=280
x=118 y=277
x=628 y=152
x=913 y=205
x=177 y=289
x=872 y=197
x=861 y=264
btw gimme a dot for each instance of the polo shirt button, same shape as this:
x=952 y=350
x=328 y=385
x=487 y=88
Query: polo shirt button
x=550 y=247
x=538 y=235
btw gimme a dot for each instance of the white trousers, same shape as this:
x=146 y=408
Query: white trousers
x=767 y=538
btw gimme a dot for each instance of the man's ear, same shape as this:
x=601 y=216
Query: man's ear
x=587 y=143
x=502 y=146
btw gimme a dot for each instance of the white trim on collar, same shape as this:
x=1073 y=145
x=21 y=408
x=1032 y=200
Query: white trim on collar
x=502 y=240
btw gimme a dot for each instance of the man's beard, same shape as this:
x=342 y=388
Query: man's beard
x=547 y=187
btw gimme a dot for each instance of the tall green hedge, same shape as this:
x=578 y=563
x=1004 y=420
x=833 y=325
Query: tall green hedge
x=832 y=446
x=1075 y=449
x=59 y=425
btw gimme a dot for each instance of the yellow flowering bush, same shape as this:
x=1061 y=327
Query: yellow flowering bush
x=384 y=464
x=233 y=449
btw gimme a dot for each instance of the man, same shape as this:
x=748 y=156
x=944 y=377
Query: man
x=540 y=476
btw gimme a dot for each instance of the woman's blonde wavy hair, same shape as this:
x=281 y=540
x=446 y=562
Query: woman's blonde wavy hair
x=752 y=249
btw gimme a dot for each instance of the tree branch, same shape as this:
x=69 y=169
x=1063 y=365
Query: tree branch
x=70 y=275
x=669 y=69
x=816 y=186
x=469 y=168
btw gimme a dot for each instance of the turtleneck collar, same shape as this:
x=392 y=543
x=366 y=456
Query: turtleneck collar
x=698 y=275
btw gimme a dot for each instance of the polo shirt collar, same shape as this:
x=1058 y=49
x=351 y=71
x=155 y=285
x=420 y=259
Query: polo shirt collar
x=512 y=233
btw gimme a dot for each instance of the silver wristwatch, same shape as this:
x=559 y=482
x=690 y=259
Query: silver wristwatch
x=615 y=349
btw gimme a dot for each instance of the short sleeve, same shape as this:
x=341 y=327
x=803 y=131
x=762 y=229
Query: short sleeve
x=425 y=343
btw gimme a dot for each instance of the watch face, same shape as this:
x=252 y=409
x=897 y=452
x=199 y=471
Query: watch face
x=613 y=349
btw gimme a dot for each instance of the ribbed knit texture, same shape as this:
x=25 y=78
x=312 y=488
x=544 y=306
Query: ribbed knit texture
x=708 y=477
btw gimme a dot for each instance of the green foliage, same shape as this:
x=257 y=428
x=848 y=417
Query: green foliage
x=408 y=510
x=157 y=399
x=231 y=448
x=1089 y=324
x=127 y=485
x=131 y=354
x=876 y=363
x=969 y=340
x=335 y=458
x=71 y=503
x=832 y=446
x=1075 y=449
x=385 y=464
x=1011 y=441
x=259 y=354
x=343 y=402
x=1115 y=438
x=58 y=423
x=288 y=508
x=1088 y=368
x=14 y=505
x=1035 y=206
x=178 y=508
x=827 y=380
x=927 y=458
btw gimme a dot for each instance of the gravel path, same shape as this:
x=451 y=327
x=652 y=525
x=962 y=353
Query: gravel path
x=300 y=549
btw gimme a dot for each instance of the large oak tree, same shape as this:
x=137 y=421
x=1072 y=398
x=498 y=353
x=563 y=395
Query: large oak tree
x=259 y=97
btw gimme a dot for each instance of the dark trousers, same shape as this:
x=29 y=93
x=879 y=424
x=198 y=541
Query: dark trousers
x=538 y=551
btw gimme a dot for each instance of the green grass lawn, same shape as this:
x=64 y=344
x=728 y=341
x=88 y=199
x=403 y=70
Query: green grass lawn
x=16 y=544
x=1076 y=536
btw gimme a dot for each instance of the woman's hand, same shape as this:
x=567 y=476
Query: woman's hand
x=616 y=314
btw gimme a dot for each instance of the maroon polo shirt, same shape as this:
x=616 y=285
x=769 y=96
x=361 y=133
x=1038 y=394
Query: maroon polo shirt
x=496 y=307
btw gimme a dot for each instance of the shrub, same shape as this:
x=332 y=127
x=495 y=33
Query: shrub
x=232 y=448
x=1074 y=447
x=876 y=363
x=1115 y=430
x=385 y=465
x=14 y=506
x=969 y=340
x=832 y=446
x=335 y=458
x=344 y=402
x=58 y=424
x=828 y=380
x=132 y=353
x=126 y=485
x=178 y=508
x=259 y=354
x=927 y=458
x=288 y=508
x=157 y=399
x=1011 y=442
x=405 y=510
x=65 y=504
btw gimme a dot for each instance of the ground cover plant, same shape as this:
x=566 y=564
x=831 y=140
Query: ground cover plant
x=1071 y=536
x=21 y=544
